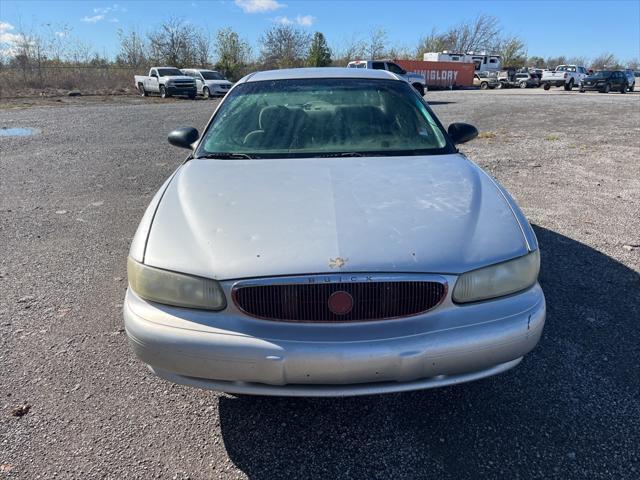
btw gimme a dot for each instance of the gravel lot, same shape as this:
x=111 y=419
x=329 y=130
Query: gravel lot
x=70 y=200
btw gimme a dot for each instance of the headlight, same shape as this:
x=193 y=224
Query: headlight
x=171 y=288
x=498 y=280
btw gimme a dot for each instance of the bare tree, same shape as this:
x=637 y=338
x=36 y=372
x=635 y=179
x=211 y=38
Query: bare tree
x=434 y=42
x=353 y=48
x=79 y=52
x=605 y=61
x=232 y=53
x=480 y=34
x=634 y=64
x=202 y=46
x=284 y=46
x=376 y=43
x=581 y=61
x=553 y=62
x=172 y=43
x=57 y=41
x=132 y=48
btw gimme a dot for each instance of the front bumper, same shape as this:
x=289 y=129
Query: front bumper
x=228 y=352
x=594 y=87
x=179 y=90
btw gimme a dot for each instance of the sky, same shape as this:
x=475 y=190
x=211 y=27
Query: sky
x=549 y=28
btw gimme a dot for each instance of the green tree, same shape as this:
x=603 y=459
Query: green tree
x=232 y=53
x=319 y=52
x=512 y=51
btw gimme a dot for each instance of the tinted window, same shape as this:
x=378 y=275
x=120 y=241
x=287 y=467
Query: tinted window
x=316 y=117
x=377 y=65
x=211 y=75
x=395 y=68
x=169 y=72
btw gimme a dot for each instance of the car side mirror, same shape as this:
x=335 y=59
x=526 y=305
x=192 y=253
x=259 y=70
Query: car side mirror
x=403 y=72
x=183 y=137
x=155 y=75
x=462 y=132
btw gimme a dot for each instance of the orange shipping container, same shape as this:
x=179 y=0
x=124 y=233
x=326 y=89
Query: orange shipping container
x=441 y=74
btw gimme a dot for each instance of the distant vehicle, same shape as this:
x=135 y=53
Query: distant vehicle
x=567 y=76
x=208 y=82
x=167 y=81
x=631 y=76
x=482 y=62
x=526 y=80
x=605 y=81
x=417 y=81
x=512 y=79
x=536 y=73
x=485 y=80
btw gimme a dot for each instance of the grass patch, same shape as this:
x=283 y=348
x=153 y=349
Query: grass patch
x=487 y=134
x=552 y=138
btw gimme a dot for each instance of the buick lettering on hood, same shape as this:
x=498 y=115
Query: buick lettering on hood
x=325 y=237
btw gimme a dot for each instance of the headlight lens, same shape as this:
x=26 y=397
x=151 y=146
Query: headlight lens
x=173 y=288
x=498 y=280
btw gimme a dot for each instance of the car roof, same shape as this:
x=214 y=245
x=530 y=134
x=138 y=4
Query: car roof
x=324 y=72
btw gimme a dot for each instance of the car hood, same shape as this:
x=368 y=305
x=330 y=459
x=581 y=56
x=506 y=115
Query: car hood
x=217 y=82
x=228 y=219
x=178 y=77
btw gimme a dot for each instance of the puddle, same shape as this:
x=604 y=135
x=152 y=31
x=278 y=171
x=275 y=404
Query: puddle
x=18 y=132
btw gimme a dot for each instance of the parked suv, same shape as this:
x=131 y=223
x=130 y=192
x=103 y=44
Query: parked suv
x=417 y=81
x=208 y=82
x=605 y=81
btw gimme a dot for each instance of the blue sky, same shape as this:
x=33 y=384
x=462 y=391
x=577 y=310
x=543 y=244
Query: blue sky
x=571 y=28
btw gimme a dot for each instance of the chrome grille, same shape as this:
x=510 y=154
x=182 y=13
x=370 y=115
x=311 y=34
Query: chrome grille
x=308 y=302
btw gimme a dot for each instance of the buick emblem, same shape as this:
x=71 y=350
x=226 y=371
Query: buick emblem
x=340 y=302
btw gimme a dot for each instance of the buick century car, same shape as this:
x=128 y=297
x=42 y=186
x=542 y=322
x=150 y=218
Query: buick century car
x=325 y=237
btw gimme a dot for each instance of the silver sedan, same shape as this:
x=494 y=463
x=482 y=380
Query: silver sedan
x=326 y=238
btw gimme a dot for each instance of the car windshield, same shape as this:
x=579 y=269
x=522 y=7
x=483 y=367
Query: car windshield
x=323 y=117
x=209 y=75
x=602 y=74
x=170 y=72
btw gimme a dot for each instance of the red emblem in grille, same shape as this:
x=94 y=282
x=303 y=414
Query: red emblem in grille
x=340 y=302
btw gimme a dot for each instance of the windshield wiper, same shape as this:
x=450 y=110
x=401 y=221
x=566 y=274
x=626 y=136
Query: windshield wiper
x=341 y=154
x=225 y=156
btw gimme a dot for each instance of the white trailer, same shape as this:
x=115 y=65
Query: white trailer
x=482 y=61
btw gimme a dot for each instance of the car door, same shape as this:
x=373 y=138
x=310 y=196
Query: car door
x=615 y=81
x=153 y=81
x=198 y=78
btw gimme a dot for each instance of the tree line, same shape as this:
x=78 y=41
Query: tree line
x=178 y=43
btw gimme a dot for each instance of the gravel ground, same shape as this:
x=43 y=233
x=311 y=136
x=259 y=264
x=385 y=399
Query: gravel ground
x=70 y=200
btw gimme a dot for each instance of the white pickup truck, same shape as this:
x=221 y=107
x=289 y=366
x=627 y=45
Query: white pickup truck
x=417 y=81
x=166 y=81
x=568 y=76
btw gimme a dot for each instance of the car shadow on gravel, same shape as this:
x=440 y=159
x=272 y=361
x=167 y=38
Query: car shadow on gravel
x=567 y=410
